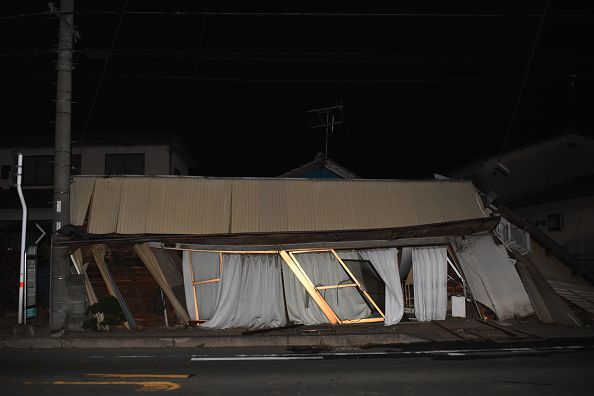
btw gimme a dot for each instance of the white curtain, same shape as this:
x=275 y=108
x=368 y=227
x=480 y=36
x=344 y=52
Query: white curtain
x=430 y=278
x=204 y=266
x=250 y=293
x=300 y=307
x=323 y=269
x=385 y=262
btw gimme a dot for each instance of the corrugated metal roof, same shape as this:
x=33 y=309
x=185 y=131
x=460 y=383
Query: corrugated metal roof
x=105 y=205
x=551 y=267
x=186 y=205
x=81 y=191
x=580 y=295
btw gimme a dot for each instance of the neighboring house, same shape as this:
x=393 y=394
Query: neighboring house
x=320 y=168
x=102 y=154
x=550 y=184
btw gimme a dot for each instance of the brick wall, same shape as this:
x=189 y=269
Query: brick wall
x=138 y=287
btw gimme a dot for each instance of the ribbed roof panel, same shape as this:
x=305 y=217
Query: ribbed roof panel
x=185 y=205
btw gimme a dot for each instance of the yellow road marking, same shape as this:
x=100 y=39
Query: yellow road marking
x=148 y=386
x=117 y=375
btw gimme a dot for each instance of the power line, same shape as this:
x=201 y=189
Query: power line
x=547 y=76
x=92 y=108
x=196 y=55
x=303 y=14
x=317 y=81
x=520 y=94
x=294 y=57
x=21 y=16
x=330 y=14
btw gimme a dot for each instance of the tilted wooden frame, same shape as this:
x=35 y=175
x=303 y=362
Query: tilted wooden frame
x=363 y=290
x=309 y=287
x=202 y=282
x=356 y=284
x=293 y=264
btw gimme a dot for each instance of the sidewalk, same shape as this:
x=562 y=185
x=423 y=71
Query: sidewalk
x=457 y=331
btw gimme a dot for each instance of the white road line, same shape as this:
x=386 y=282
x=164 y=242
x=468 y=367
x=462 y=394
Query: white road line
x=321 y=356
x=131 y=356
x=248 y=358
x=356 y=353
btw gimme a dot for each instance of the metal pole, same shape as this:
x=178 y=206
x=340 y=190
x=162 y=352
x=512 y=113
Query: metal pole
x=164 y=309
x=62 y=163
x=327 y=133
x=22 y=276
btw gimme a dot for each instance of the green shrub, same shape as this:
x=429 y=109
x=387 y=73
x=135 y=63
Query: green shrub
x=105 y=314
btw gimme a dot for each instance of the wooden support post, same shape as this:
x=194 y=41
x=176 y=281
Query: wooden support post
x=150 y=261
x=309 y=287
x=99 y=256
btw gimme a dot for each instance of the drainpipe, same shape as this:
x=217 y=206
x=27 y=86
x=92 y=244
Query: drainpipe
x=22 y=276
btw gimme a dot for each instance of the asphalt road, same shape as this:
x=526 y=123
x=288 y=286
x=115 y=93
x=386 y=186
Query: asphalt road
x=563 y=371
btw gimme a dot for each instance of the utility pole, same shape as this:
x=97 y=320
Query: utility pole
x=62 y=163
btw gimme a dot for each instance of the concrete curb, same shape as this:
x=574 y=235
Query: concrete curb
x=207 y=342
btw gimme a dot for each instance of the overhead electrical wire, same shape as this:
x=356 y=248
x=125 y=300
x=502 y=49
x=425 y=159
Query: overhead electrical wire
x=302 y=14
x=98 y=88
x=520 y=95
x=317 y=14
x=27 y=15
x=284 y=57
x=321 y=80
x=548 y=76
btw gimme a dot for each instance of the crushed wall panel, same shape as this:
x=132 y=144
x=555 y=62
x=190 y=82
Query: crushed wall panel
x=105 y=205
x=81 y=191
x=133 y=211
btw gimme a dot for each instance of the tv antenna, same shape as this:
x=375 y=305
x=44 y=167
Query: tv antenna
x=325 y=119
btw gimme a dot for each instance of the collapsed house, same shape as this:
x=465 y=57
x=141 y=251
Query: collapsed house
x=261 y=253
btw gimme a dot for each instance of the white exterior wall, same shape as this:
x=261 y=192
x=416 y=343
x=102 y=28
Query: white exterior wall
x=157 y=161
x=156 y=158
x=577 y=234
x=534 y=168
x=178 y=163
x=7 y=157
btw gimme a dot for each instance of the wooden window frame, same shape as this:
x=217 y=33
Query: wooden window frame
x=288 y=256
x=355 y=284
x=202 y=282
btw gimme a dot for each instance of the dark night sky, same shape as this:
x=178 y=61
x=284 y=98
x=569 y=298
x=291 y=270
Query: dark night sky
x=421 y=94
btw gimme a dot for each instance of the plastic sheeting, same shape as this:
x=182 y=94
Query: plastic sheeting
x=250 y=293
x=492 y=277
x=324 y=270
x=430 y=281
